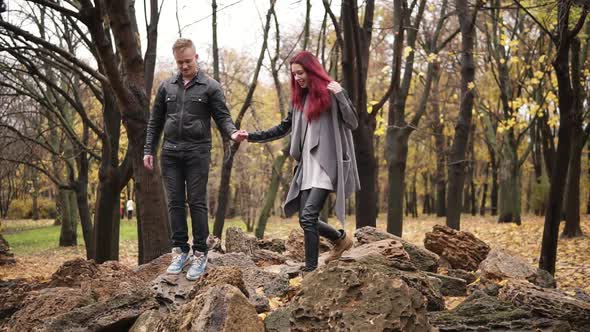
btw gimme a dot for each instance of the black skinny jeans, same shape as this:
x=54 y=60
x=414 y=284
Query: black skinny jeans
x=310 y=205
x=187 y=172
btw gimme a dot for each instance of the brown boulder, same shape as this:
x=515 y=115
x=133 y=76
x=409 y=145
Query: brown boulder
x=114 y=314
x=422 y=258
x=500 y=265
x=349 y=295
x=221 y=308
x=39 y=306
x=147 y=322
x=391 y=254
x=238 y=241
x=450 y=286
x=547 y=302
x=151 y=270
x=481 y=312
x=12 y=295
x=390 y=249
x=461 y=249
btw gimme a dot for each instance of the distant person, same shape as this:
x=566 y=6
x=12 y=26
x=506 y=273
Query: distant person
x=130 y=207
x=183 y=108
x=321 y=118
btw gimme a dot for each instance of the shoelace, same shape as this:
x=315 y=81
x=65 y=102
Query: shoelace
x=199 y=260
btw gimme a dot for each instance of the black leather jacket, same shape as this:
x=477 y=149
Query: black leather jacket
x=184 y=114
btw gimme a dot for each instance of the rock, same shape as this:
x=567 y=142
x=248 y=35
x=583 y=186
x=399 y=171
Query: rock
x=397 y=267
x=292 y=271
x=42 y=305
x=349 y=295
x=468 y=276
x=83 y=295
x=450 y=286
x=151 y=270
x=390 y=249
x=116 y=314
x=461 y=249
x=6 y=256
x=220 y=275
x=12 y=295
x=102 y=280
x=278 y=321
x=147 y=322
x=172 y=290
x=237 y=241
x=423 y=259
x=263 y=257
x=276 y=245
x=481 y=312
x=221 y=308
x=254 y=277
x=296 y=248
x=500 y=265
x=231 y=259
x=547 y=302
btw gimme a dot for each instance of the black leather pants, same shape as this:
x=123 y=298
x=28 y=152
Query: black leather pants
x=310 y=205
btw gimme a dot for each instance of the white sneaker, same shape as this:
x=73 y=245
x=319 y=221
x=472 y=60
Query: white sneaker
x=179 y=261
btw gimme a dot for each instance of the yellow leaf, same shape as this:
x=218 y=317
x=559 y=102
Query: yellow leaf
x=432 y=57
x=407 y=51
x=470 y=85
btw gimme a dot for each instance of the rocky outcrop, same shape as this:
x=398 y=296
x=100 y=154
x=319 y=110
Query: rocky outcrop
x=461 y=249
x=423 y=259
x=547 y=302
x=481 y=312
x=501 y=265
x=221 y=308
x=260 y=251
x=344 y=296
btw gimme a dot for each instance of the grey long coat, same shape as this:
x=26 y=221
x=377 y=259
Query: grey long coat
x=331 y=142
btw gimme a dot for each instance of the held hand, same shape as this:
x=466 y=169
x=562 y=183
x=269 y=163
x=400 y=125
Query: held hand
x=334 y=87
x=239 y=136
x=148 y=162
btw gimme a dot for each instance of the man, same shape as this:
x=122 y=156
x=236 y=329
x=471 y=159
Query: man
x=130 y=207
x=183 y=108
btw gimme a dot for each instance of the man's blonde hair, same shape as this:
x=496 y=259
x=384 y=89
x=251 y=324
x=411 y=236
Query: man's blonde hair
x=181 y=44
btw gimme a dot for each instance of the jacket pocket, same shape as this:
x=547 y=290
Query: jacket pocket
x=194 y=128
x=171 y=126
x=170 y=104
x=198 y=106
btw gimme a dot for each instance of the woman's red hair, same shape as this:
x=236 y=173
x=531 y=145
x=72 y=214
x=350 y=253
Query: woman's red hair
x=318 y=95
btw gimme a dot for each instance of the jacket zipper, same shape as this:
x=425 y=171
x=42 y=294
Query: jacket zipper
x=181 y=113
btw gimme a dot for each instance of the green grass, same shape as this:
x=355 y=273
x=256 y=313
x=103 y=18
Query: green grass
x=27 y=240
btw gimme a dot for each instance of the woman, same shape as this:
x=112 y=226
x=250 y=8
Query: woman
x=321 y=118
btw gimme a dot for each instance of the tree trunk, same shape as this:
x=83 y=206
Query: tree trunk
x=271 y=193
x=572 y=208
x=509 y=186
x=35 y=195
x=566 y=96
x=578 y=139
x=397 y=174
x=462 y=128
x=69 y=218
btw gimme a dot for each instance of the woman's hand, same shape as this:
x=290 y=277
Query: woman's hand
x=334 y=87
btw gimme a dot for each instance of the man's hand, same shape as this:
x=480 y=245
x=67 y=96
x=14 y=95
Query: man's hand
x=148 y=162
x=239 y=135
x=334 y=87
